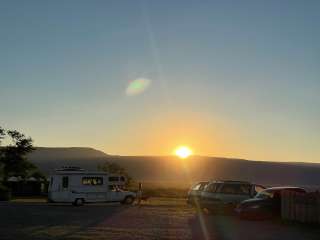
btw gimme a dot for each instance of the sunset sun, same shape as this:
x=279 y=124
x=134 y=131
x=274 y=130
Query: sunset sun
x=183 y=152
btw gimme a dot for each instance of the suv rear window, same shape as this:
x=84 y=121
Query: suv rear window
x=241 y=189
x=199 y=186
x=196 y=187
x=258 y=188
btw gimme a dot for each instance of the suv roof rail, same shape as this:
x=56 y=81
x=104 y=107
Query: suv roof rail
x=233 y=181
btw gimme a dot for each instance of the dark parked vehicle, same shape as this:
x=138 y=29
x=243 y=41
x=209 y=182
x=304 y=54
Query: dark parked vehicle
x=266 y=204
x=223 y=196
x=195 y=192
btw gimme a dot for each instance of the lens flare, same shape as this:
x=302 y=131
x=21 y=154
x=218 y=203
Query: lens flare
x=137 y=86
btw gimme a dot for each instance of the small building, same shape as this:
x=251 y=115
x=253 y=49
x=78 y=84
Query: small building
x=27 y=187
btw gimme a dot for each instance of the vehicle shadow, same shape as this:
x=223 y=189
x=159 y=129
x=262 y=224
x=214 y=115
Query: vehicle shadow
x=57 y=221
x=226 y=227
x=203 y=226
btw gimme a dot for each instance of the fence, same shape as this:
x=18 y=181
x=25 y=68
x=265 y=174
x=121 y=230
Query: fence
x=300 y=207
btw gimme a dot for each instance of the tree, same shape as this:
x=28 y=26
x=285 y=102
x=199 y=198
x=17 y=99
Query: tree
x=114 y=168
x=2 y=135
x=13 y=157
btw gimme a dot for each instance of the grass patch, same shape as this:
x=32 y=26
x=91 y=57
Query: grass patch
x=165 y=192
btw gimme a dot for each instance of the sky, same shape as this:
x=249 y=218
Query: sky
x=226 y=78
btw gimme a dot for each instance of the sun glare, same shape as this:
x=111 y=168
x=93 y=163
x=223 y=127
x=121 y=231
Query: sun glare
x=183 y=152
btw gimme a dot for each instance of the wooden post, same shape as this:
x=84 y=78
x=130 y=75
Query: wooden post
x=285 y=207
x=292 y=206
x=318 y=206
x=139 y=193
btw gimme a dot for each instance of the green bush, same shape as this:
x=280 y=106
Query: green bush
x=5 y=193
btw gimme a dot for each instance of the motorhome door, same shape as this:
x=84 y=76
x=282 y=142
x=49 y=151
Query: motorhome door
x=114 y=194
x=64 y=189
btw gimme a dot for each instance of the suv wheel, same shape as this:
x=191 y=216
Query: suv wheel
x=78 y=202
x=128 y=200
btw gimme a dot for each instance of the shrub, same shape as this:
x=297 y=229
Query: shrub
x=5 y=193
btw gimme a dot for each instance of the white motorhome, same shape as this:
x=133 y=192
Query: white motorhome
x=77 y=186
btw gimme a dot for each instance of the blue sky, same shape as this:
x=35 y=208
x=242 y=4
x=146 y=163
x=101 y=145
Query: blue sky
x=228 y=78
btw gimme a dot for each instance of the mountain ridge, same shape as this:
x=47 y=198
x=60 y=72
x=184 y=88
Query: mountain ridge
x=171 y=168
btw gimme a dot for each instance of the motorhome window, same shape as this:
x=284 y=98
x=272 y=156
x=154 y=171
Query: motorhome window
x=92 y=181
x=65 y=182
x=113 y=179
x=122 y=179
x=114 y=188
x=51 y=181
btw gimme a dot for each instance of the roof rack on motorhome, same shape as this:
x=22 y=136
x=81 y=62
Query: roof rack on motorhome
x=69 y=168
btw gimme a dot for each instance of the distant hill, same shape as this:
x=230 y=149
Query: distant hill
x=48 y=159
x=65 y=153
x=173 y=169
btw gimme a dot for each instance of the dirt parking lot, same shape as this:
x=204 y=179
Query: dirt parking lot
x=157 y=219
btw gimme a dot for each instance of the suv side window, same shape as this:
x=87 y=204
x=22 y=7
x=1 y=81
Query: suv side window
x=212 y=187
x=229 y=189
x=244 y=189
x=202 y=186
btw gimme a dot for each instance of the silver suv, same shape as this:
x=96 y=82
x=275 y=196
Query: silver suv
x=225 y=195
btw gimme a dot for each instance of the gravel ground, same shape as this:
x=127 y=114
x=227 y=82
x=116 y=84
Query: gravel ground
x=156 y=219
